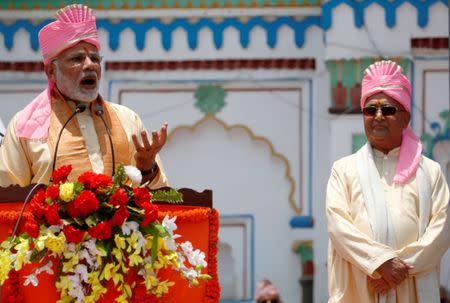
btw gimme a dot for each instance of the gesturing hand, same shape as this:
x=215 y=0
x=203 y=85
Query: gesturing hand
x=394 y=271
x=146 y=154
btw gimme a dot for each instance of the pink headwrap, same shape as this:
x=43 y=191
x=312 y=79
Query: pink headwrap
x=265 y=291
x=386 y=77
x=75 y=23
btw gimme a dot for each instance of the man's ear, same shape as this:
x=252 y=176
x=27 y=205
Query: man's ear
x=406 y=117
x=50 y=71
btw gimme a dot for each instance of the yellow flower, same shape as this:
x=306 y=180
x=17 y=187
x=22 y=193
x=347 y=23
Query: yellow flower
x=150 y=282
x=5 y=265
x=69 y=265
x=66 y=191
x=122 y=298
x=108 y=272
x=55 y=243
x=135 y=259
x=162 y=288
x=120 y=242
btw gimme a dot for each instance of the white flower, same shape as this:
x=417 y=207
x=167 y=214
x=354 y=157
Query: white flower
x=31 y=279
x=92 y=247
x=134 y=174
x=191 y=274
x=129 y=227
x=82 y=271
x=46 y=268
x=169 y=224
x=195 y=257
x=76 y=291
x=84 y=255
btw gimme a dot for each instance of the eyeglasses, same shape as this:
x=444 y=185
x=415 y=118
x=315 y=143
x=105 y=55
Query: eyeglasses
x=385 y=110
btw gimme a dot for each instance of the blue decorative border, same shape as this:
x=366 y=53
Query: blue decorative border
x=192 y=29
x=390 y=9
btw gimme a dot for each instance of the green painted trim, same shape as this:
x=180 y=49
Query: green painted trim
x=358 y=140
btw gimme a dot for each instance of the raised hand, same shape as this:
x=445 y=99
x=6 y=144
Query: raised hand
x=146 y=154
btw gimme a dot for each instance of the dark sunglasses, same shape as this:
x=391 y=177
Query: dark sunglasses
x=385 y=110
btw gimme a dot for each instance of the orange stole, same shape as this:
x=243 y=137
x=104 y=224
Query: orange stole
x=199 y=225
x=72 y=148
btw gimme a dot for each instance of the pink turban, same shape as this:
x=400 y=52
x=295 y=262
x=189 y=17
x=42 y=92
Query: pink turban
x=386 y=77
x=75 y=23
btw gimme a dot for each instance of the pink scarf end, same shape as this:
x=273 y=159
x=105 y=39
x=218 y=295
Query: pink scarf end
x=409 y=158
x=33 y=121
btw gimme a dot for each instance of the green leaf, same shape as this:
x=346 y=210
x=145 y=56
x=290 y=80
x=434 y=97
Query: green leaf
x=37 y=256
x=154 y=250
x=104 y=247
x=92 y=220
x=170 y=196
x=161 y=230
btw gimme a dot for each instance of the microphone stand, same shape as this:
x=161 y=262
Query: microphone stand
x=79 y=109
x=99 y=112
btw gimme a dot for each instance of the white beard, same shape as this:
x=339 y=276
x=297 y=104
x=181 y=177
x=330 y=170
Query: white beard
x=71 y=89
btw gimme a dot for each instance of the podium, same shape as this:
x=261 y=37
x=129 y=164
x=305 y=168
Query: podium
x=197 y=222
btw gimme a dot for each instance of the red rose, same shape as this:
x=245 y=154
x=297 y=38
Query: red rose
x=150 y=215
x=32 y=228
x=101 y=231
x=83 y=205
x=37 y=204
x=86 y=178
x=52 y=192
x=119 y=198
x=101 y=181
x=94 y=181
x=119 y=216
x=141 y=195
x=60 y=174
x=72 y=234
x=52 y=215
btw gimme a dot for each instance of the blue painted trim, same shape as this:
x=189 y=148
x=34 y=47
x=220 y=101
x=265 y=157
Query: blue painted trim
x=252 y=256
x=192 y=29
x=390 y=8
x=302 y=222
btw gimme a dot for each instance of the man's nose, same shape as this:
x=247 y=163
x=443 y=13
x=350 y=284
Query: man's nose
x=88 y=63
x=379 y=114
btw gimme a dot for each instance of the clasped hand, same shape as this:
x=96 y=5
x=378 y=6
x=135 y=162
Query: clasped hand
x=146 y=154
x=393 y=272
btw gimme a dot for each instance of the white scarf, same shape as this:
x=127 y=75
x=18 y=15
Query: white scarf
x=427 y=286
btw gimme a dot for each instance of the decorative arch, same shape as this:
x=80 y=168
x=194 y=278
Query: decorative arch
x=254 y=137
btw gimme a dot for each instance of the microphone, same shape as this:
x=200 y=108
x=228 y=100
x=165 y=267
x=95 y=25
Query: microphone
x=79 y=109
x=99 y=112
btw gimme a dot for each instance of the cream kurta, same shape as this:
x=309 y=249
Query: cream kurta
x=353 y=253
x=24 y=161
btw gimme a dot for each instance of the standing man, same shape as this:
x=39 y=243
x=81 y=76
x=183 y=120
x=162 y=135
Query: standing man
x=387 y=205
x=72 y=63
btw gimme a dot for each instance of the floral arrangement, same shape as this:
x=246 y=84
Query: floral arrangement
x=100 y=231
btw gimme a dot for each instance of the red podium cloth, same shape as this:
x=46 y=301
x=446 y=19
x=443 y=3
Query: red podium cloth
x=199 y=225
